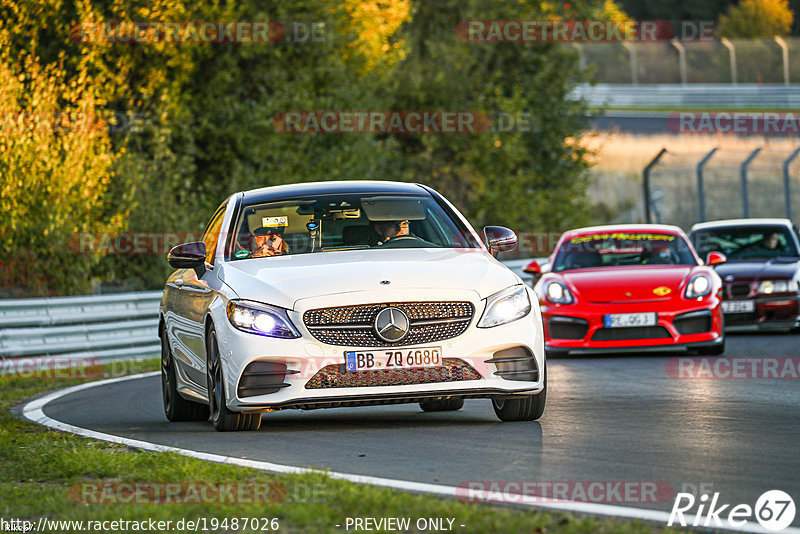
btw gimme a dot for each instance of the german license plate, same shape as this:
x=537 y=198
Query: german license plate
x=407 y=358
x=738 y=306
x=625 y=320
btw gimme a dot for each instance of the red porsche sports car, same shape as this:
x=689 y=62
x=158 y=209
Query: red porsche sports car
x=630 y=287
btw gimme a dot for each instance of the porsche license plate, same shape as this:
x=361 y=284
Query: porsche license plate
x=407 y=358
x=738 y=306
x=626 y=320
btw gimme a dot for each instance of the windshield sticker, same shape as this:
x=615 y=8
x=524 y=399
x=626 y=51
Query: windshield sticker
x=272 y=222
x=239 y=254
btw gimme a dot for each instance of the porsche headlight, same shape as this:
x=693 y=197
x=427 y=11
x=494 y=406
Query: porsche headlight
x=558 y=293
x=505 y=306
x=768 y=287
x=699 y=286
x=261 y=319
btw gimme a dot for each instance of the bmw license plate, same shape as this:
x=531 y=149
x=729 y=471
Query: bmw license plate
x=738 y=306
x=625 y=320
x=407 y=358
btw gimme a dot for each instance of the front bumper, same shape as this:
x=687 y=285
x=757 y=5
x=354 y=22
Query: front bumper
x=686 y=325
x=773 y=313
x=305 y=358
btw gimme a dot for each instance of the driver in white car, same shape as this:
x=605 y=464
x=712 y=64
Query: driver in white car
x=267 y=241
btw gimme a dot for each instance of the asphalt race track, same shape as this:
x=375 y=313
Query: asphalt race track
x=608 y=418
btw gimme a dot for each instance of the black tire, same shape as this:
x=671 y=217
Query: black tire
x=521 y=407
x=223 y=419
x=176 y=408
x=441 y=405
x=714 y=350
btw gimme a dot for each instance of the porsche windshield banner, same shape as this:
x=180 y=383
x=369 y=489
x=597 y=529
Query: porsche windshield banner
x=621 y=242
x=622 y=236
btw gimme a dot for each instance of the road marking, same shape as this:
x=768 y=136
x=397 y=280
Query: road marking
x=33 y=410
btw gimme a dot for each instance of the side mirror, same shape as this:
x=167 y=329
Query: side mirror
x=715 y=258
x=499 y=239
x=188 y=256
x=533 y=268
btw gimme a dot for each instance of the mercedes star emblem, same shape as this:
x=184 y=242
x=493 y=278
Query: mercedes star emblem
x=391 y=325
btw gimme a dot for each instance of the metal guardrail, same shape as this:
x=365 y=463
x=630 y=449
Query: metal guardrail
x=103 y=327
x=698 y=95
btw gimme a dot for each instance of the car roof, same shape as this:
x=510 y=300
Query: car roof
x=281 y=192
x=742 y=222
x=633 y=228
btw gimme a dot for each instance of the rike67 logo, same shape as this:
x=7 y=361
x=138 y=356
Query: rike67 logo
x=774 y=510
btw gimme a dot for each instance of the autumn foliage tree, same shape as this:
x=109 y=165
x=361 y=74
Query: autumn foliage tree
x=56 y=164
x=750 y=19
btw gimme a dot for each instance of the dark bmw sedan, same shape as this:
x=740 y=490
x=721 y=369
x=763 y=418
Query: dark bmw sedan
x=761 y=277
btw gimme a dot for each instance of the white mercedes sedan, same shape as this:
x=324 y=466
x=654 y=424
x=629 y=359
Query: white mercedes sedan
x=335 y=294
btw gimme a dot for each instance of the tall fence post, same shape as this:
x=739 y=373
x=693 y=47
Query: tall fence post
x=646 y=183
x=743 y=171
x=681 y=59
x=701 y=194
x=634 y=62
x=581 y=56
x=785 y=55
x=732 y=53
x=787 y=186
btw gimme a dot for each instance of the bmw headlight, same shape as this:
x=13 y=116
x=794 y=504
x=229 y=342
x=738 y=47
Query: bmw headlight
x=261 y=319
x=768 y=287
x=699 y=286
x=558 y=293
x=505 y=306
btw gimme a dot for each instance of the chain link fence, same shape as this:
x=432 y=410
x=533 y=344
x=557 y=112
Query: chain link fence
x=684 y=188
x=759 y=61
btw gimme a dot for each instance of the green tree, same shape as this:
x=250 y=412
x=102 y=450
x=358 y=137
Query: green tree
x=528 y=180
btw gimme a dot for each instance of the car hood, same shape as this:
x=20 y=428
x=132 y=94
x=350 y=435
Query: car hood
x=284 y=280
x=774 y=269
x=626 y=284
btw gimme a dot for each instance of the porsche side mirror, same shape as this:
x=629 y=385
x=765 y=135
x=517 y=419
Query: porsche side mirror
x=533 y=268
x=499 y=239
x=715 y=258
x=188 y=256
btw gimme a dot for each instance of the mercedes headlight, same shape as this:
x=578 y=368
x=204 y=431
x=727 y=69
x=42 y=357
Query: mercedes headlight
x=558 y=293
x=261 y=319
x=699 y=286
x=768 y=287
x=505 y=306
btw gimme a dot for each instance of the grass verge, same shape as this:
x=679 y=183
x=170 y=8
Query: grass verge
x=60 y=476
